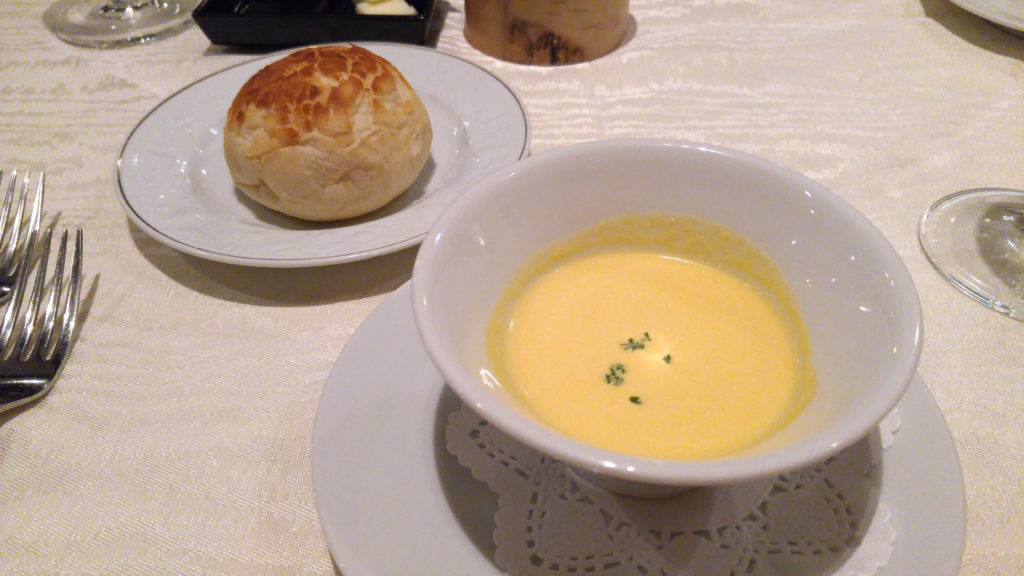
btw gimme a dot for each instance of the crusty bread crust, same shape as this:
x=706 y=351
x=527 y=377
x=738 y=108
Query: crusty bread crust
x=326 y=133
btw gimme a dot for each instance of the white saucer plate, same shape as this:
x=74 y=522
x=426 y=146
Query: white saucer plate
x=1006 y=13
x=392 y=500
x=174 y=183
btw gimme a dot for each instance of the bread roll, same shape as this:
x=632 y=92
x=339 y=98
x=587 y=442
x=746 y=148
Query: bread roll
x=326 y=133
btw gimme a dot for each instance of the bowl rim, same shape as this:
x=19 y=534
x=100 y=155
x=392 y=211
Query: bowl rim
x=653 y=471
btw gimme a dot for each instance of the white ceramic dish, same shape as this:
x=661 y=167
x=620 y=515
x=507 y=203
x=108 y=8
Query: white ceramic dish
x=1006 y=13
x=175 y=185
x=853 y=291
x=392 y=500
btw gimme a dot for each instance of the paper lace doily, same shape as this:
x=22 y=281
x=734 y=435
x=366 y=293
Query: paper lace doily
x=824 y=519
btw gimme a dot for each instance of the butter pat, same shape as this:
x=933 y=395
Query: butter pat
x=385 y=7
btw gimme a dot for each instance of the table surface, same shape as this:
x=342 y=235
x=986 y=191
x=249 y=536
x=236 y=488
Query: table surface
x=178 y=439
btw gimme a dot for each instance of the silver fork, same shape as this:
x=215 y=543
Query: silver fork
x=13 y=230
x=36 y=336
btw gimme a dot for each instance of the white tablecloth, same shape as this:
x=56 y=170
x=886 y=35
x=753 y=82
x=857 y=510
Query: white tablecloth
x=178 y=439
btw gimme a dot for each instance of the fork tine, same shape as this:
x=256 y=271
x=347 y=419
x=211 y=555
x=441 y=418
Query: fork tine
x=8 y=199
x=19 y=210
x=29 y=335
x=37 y=202
x=53 y=338
x=12 y=313
x=5 y=211
x=70 y=315
x=53 y=300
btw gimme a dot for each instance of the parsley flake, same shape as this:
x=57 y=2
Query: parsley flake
x=615 y=374
x=636 y=344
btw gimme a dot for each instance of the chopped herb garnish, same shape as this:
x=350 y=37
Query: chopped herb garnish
x=615 y=373
x=667 y=358
x=635 y=400
x=634 y=344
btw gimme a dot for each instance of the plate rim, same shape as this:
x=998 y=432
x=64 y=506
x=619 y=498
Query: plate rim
x=167 y=239
x=981 y=9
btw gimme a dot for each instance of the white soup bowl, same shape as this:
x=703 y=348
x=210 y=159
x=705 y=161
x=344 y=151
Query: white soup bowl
x=852 y=290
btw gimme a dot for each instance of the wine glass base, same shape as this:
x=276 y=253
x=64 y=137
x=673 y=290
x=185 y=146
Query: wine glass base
x=975 y=239
x=117 y=23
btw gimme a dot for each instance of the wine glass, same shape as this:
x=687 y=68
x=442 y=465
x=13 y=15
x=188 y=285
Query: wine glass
x=116 y=23
x=975 y=239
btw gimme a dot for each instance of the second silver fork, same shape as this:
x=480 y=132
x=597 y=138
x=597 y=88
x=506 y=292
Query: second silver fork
x=36 y=335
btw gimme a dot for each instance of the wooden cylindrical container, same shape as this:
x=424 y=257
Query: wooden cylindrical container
x=546 y=32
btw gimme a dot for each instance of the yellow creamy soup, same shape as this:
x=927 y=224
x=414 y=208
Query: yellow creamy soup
x=646 y=350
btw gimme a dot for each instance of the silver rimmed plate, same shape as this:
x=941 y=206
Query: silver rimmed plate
x=1006 y=13
x=174 y=183
x=393 y=500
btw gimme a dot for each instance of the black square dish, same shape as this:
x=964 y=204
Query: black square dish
x=299 y=22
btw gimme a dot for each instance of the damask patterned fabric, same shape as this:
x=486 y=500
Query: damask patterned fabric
x=177 y=440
